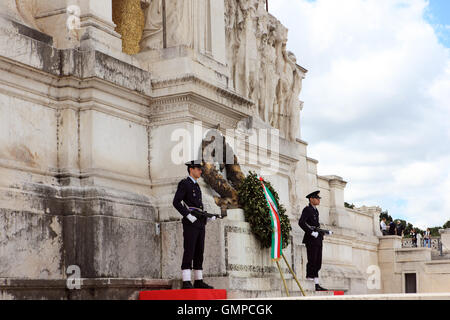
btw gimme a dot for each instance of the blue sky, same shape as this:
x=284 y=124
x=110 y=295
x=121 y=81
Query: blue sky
x=438 y=14
x=377 y=99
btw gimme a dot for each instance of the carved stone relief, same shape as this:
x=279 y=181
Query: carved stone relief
x=22 y=11
x=261 y=68
x=152 y=36
x=187 y=24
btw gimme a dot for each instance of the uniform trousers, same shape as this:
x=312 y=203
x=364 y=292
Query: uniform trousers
x=314 y=253
x=194 y=245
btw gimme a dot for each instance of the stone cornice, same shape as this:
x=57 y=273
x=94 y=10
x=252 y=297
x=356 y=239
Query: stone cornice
x=312 y=160
x=334 y=181
x=192 y=106
x=191 y=78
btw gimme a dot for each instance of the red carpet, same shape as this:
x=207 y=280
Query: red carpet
x=184 y=294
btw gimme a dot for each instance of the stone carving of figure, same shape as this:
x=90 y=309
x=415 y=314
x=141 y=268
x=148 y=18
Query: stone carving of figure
x=294 y=103
x=263 y=52
x=231 y=37
x=246 y=63
x=179 y=23
x=152 y=36
x=187 y=24
x=280 y=34
x=260 y=66
x=285 y=93
x=253 y=37
x=22 y=11
x=240 y=61
x=269 y=78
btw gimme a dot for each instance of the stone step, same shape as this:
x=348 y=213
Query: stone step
x=253 y=288
x=89 y=289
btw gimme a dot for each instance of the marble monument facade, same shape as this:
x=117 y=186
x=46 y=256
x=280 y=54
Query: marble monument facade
x=93 y=141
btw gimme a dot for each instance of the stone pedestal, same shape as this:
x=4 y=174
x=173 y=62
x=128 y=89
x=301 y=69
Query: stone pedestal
x=338 y=215
x=96 y=19
x=445 y=240
x=386 y=261
x=74 y=185
x=92 y=25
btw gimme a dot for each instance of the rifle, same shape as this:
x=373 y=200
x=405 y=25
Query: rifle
x=319 y=230
x=199 y=213
x=322 y=231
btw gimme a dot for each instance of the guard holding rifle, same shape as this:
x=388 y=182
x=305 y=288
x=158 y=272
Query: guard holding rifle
x=194 y=221
x=309 y=222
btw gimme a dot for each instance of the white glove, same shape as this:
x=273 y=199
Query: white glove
x=191 y=218
x=315 y=234
x=331 y=232
x=212 y=219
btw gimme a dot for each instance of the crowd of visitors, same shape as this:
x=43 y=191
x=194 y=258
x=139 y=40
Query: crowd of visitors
x=397 y=228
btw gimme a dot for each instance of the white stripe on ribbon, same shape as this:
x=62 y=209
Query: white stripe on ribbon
x=274 y=212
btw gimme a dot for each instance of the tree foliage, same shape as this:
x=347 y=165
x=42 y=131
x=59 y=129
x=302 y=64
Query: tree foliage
x=446 y=225
x=348 y=205
x=385 y=214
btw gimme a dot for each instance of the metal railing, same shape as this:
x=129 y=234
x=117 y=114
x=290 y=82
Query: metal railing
x=436 y=243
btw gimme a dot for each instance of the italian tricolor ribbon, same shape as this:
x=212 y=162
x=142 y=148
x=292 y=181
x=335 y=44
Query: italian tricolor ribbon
x=277 y=247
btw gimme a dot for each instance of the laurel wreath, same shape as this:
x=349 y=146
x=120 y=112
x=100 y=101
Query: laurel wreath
x=256 y=211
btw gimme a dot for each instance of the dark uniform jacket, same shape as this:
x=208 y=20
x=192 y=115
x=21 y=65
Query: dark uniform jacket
x=392 y=227
x=190 y=193
x=309 y=219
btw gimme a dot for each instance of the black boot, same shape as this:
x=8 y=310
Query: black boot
x=199 y=284
x=319 y=288
x=187 y=285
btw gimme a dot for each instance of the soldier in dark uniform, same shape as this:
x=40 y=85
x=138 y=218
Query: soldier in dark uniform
x=312 y=239
x=189 y=192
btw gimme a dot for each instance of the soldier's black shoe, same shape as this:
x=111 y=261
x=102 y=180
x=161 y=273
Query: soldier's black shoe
x=199 y=284
x=187 y=285
x=319 y=288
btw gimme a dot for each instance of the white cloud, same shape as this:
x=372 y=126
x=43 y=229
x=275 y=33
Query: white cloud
x=377 y=101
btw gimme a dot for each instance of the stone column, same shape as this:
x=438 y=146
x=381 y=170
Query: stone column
x=91 y=24
x=195 y=24
x=390 y=280
x=96 y=18
x=338 y=214
x=376 y=220
x=218 y=50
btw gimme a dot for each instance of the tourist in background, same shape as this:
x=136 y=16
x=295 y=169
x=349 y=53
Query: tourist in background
x=413 y=235
x=383 y=226
x=427 y=238
x=400 y=228
x=392 y=228
x=419 y=239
